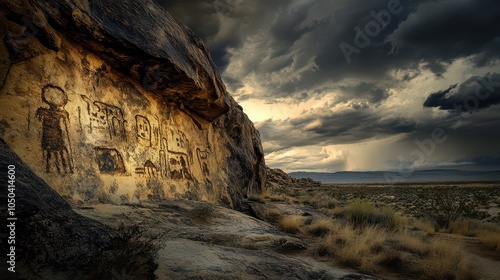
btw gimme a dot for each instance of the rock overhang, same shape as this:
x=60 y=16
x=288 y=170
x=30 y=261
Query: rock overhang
x=131 y=36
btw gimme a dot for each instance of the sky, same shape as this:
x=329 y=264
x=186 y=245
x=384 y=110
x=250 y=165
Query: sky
x=352 y=85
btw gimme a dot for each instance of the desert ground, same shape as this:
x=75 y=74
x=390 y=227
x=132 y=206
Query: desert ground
x=406 y=231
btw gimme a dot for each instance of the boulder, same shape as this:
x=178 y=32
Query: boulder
x=112 y=101
x=47 y=232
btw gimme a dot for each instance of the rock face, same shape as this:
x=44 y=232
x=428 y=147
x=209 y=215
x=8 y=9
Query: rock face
x=117 y=101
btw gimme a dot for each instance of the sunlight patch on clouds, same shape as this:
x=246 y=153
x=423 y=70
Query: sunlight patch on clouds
x=260 y=109
x=371 y=155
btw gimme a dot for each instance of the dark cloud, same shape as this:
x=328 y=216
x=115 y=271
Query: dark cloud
x=473 y=95
x=324 y=127
x=364 y=91
x=223 y=24
x=290 y=51
x=441 y=31
x=294 y=47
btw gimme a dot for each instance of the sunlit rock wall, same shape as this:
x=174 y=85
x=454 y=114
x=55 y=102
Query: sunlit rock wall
x=98 y=124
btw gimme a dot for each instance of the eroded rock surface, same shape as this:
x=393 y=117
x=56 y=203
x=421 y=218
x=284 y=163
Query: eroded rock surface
x=116 y=101
x=231 y=246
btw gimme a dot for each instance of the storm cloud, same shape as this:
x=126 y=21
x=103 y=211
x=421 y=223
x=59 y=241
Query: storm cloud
x=473 y=95
x=285 y=62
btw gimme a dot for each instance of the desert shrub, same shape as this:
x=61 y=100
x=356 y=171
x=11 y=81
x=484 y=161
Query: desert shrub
x=361 y=212
x=131 y=252
x=372 y=249
x=203 y=212
x=277 y=198
x=320 y=200
x=291 y=224
x=389 y=219
x=325 y=246
x=445 y=206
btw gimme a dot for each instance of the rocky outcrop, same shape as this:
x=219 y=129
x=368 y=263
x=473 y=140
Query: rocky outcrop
x=118 y=102
x=278 y=179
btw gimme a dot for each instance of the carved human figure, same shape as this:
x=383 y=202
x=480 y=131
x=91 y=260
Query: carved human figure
x=55 y=144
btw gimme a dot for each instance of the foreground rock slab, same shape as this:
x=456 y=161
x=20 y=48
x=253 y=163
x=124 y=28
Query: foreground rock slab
x=231 y=245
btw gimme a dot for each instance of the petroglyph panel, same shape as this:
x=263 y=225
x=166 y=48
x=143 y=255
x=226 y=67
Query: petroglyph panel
x=85 y=123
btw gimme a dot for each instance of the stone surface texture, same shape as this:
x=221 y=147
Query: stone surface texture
x=116 y=101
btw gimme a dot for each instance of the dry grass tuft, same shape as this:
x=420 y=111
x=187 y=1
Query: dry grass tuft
x=291 y=224
x=353 y=247
x=272 y=216
x=446 y=260
x=490 y=239
x=260 y=197
x=321 y=227
x=488 y=233
x=372 y=249
x=424 y=225
x=472 y=227
x=361 y=212
x=411 y=243
x=278 y=198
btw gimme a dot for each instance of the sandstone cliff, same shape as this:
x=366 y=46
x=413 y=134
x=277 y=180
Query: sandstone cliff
x=116 y=101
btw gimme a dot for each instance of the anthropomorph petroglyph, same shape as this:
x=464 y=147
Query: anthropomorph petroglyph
x=56 y=144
